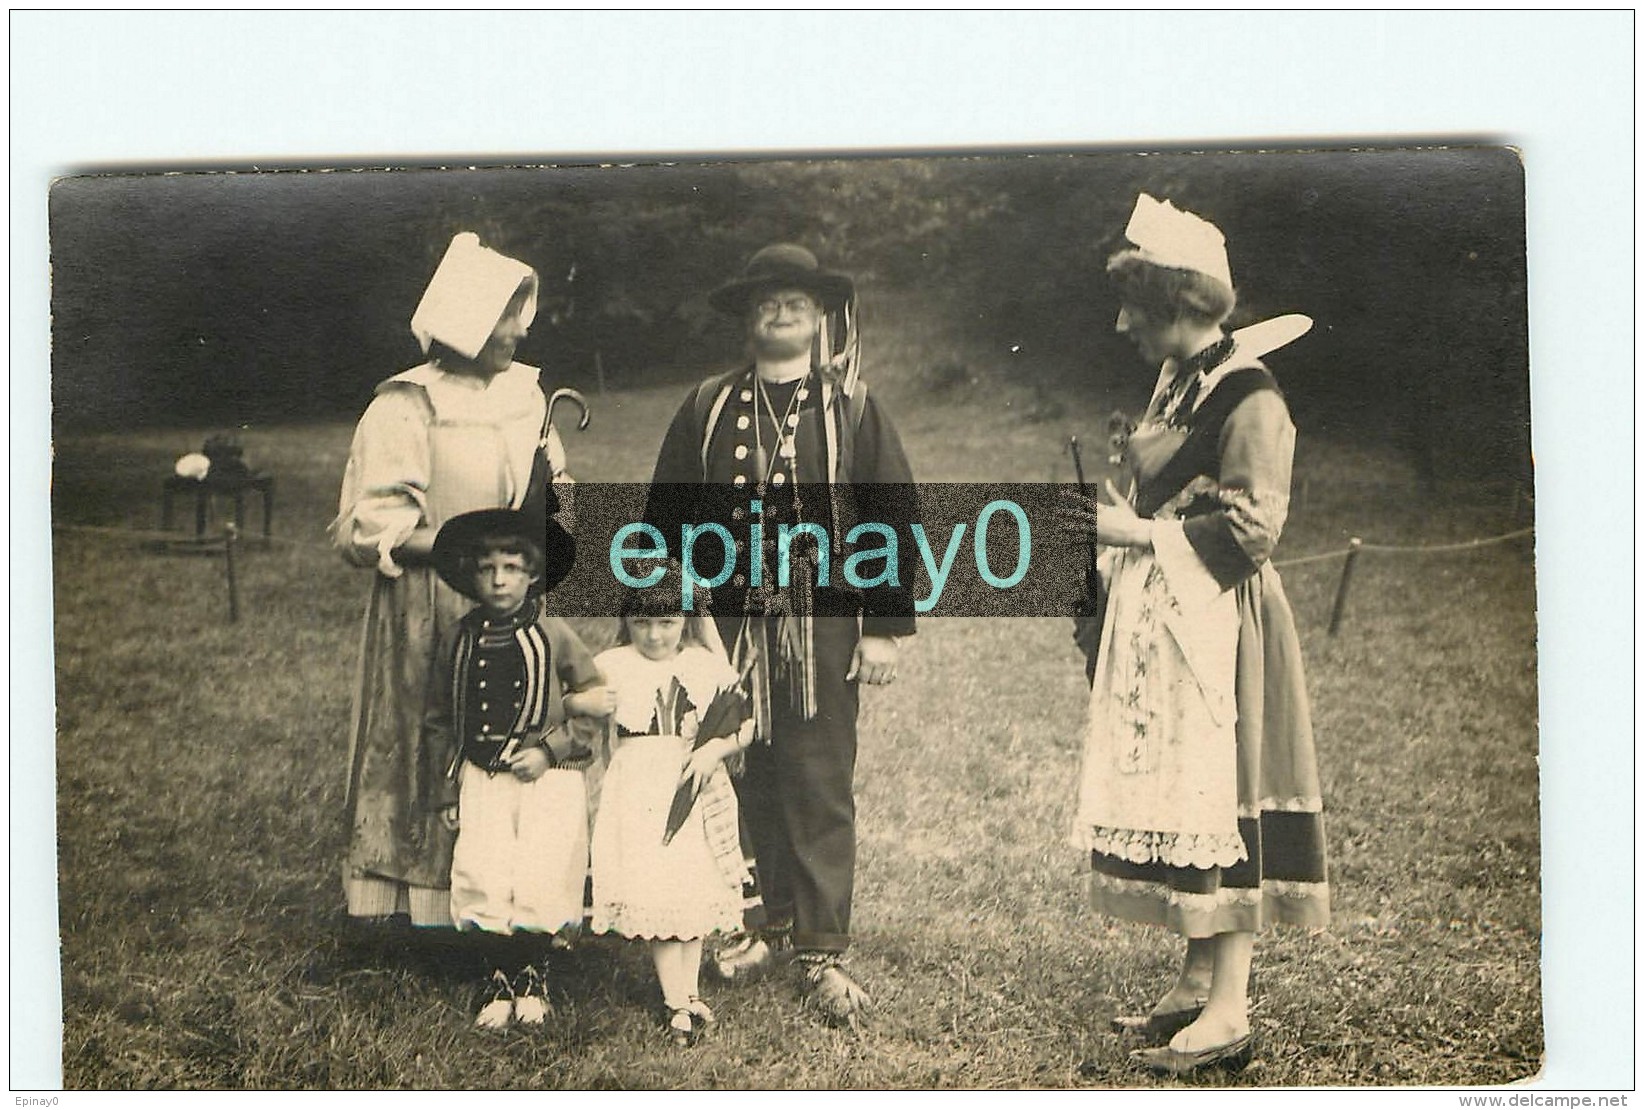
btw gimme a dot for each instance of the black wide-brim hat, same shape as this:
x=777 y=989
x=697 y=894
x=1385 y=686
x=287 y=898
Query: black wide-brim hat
x=461 y=534
x=782 y=266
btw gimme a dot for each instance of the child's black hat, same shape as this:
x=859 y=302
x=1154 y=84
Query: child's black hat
x=460 y=536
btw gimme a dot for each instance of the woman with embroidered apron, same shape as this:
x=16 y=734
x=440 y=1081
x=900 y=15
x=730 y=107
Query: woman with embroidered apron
x=465 y=430
x=1199 y=795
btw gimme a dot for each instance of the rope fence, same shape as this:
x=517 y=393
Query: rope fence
x=230 y=541
x=1355 y=546
x=182 y=540
x=1464 y=545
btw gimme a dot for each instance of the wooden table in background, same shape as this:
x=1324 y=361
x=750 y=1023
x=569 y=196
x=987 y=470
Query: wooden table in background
x=213 y=485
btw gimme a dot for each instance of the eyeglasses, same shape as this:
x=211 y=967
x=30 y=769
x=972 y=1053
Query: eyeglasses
x=796 y=305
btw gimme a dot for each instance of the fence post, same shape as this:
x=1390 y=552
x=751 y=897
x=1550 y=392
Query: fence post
x=1353 y=546
x=231 y=535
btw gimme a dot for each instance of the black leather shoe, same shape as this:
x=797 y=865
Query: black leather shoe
x=1156 y=1027
x=1235 y=1055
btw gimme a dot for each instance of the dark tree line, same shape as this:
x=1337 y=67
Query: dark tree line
x=272 y=297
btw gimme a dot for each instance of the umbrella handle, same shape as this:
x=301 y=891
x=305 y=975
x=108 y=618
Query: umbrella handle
x=568 y=394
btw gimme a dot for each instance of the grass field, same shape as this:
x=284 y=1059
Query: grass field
x=200 y=776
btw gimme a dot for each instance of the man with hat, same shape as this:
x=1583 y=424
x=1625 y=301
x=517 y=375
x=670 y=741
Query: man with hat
x=793 y=438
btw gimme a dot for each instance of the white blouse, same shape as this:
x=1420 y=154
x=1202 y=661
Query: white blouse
x=431 y=445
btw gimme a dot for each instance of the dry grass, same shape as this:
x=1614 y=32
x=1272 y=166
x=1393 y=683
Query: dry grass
x=200 y=770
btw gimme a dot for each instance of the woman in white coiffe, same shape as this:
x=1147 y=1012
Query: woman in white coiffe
x=1199 y=798
x=457 y=433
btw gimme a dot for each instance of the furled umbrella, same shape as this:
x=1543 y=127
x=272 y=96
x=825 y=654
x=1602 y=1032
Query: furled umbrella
x=723 y=717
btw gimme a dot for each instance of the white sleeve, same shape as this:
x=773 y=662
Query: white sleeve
x=385 y=485
x=1190 y=582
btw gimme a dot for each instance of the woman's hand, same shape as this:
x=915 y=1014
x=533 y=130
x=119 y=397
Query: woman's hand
x=1112 y=522
x=417 y=549
x=531 y=764
x=1118 y=525
x=700 y=764
x=596 y=701
x=1076 y=517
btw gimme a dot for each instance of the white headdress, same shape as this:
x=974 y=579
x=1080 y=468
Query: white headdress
x=468 y=294
x=1167 y=236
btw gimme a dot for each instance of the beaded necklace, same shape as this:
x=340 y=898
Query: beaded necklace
x=771 y=470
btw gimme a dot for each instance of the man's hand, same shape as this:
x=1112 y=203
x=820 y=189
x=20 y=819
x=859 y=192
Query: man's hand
x=874 y=663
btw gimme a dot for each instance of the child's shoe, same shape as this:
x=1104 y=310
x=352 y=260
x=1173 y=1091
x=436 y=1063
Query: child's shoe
x=687 y=1021
x=681 y=1027
x=497 y=1004
x=699 y=1011
x=530 y=997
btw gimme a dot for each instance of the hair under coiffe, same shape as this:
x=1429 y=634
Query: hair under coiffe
x=445 y=356
x=1170 y=293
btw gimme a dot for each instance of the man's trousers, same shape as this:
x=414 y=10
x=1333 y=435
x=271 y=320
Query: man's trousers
x=797 y=799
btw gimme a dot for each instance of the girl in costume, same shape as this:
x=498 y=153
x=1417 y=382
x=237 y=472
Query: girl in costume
x=1199 y=796
x=667 y=859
